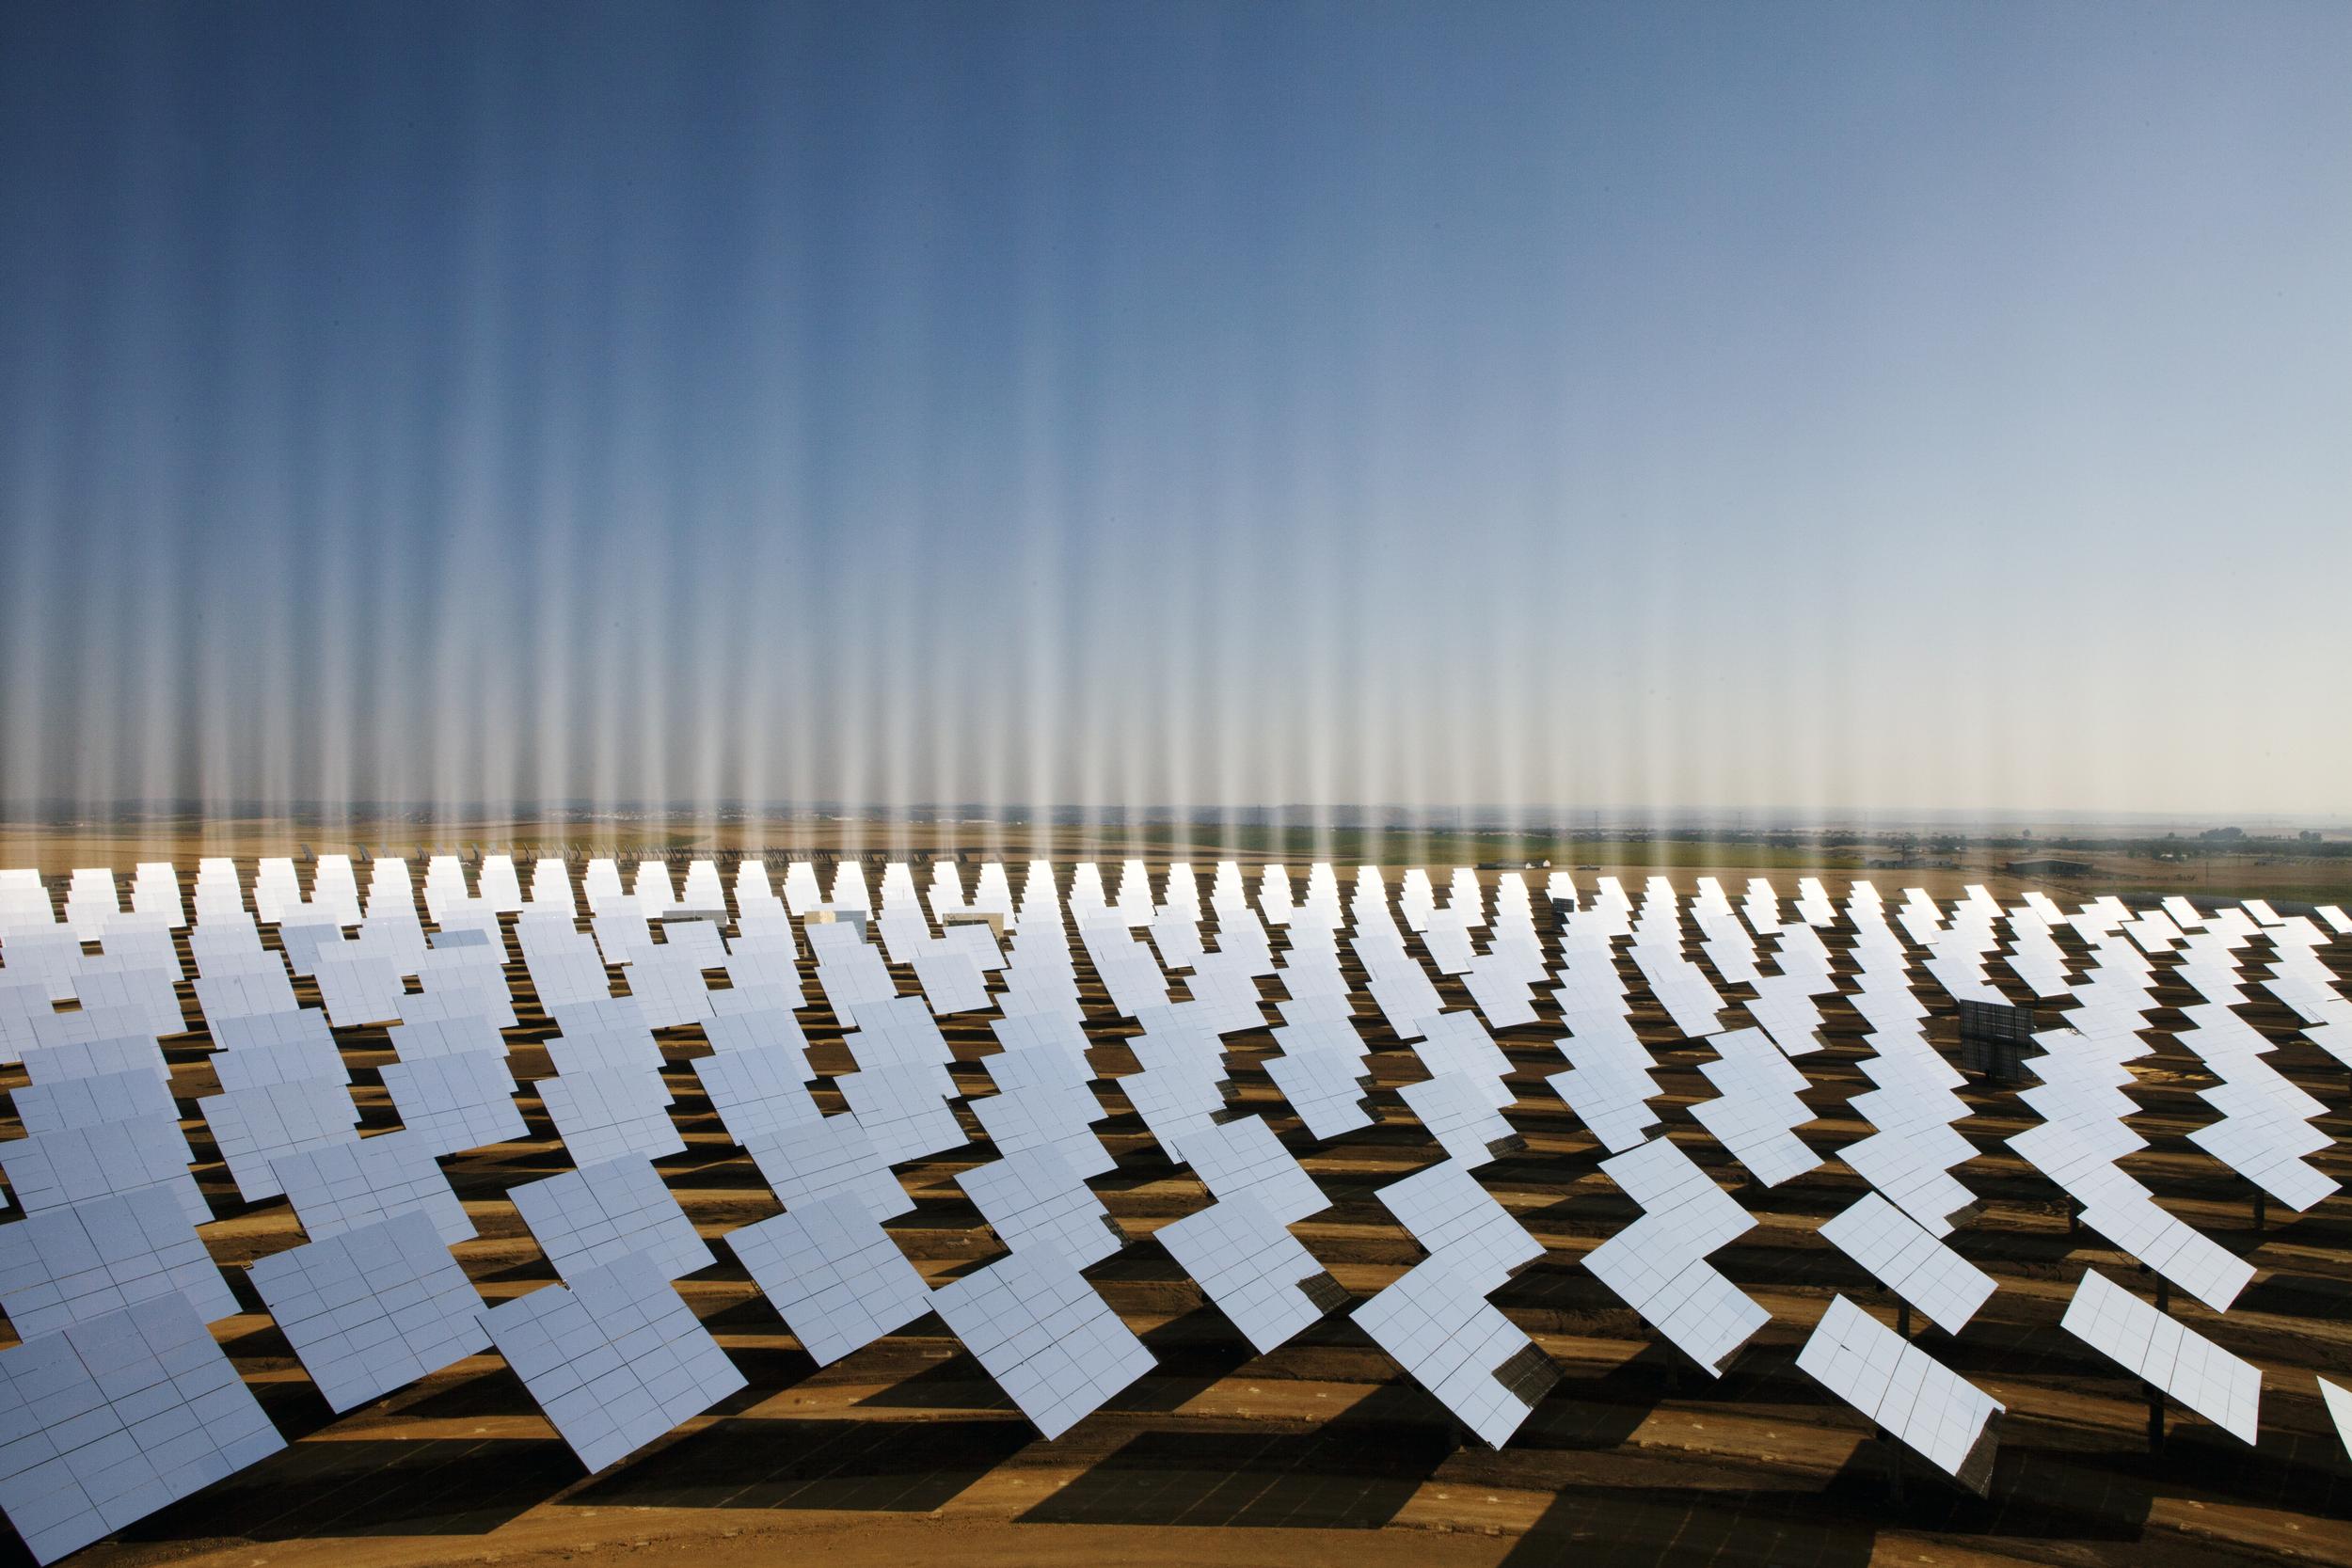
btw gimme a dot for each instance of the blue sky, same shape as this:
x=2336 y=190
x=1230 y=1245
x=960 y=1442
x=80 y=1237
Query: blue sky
x=1825 y=407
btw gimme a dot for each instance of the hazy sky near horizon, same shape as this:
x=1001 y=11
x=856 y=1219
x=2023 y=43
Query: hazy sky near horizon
x=1851 y=407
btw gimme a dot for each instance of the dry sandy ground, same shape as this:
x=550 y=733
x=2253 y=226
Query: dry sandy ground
x=1323 y=1452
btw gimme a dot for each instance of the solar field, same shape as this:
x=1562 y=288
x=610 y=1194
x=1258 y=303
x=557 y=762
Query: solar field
x=484 y=1211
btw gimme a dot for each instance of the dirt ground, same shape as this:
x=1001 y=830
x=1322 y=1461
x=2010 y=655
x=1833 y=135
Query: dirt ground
x=1322 y=1453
